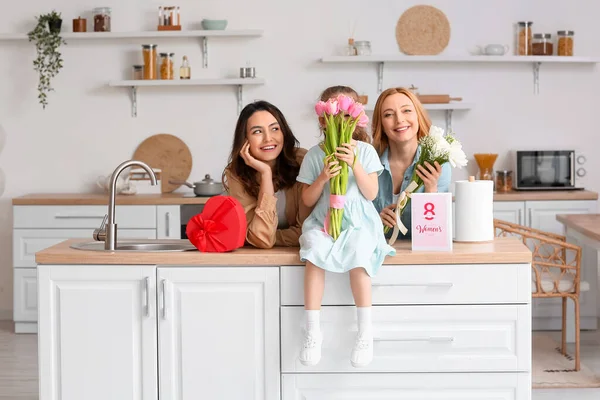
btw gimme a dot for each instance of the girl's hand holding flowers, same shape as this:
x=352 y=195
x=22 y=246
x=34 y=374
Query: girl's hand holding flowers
x=331 y=169
x=429 y=174
x=345 y=152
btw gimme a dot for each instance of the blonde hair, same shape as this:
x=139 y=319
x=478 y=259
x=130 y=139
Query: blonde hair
x=380 y=139
x=359 y=133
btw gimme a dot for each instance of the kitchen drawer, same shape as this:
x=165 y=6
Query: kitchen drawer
x=422 y=284
x=474 y=338
x=140 y=217
x=25 y=295
x=484 y=386
x=27 y=242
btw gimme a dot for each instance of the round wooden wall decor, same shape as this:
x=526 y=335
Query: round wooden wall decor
x=422 y=30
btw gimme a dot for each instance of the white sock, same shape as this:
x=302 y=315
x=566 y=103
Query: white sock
x=364 y=319
x=312 y=320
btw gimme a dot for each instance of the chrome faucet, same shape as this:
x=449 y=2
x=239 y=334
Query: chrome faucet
x=108 y=229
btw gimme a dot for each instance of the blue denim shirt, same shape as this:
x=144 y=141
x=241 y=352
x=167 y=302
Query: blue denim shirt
x=385 y=195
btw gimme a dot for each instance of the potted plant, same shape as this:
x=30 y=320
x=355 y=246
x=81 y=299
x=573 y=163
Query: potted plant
x=49 y=60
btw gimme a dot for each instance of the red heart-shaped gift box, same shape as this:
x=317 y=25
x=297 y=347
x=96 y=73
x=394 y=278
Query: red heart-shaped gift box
x=220 y=227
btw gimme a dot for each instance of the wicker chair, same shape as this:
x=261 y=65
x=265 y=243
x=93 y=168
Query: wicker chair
x=556 y=271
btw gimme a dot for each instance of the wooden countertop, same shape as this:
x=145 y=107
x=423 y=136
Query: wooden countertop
x=541 y=195
x=185 y=198
x=501 y=250
x=87 y=199
x=586 y=224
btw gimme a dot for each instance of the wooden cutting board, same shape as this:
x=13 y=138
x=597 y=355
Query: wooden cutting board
x=170 y=154
x=437 y=98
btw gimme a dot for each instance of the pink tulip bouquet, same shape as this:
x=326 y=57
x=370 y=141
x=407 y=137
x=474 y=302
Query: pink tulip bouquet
x=342 y=115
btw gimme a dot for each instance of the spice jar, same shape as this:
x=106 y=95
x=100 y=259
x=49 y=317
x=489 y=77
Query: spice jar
x=138 y=72
x=79 y=25
x=363 y=47
x=166 y=65
x=524 y=36
x=542 y=44
x=503 y=181
x=102 y=19
x=149 y=54
x=565 y=43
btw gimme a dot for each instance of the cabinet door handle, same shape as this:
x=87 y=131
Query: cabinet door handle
x=147 y=296
x=164 y=298
x=441 y=339
x=168 y=223
x=432 y=284
x=69 y=216
x=529 y=223
x=520 y=217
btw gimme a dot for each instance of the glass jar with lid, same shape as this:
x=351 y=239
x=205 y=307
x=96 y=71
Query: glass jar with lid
x=542 y=44
x=102 y=19
x=166 y=65
x=149 y=55
x=524 y=36
x=565 y=43
x=504 y=181
x=363 y=47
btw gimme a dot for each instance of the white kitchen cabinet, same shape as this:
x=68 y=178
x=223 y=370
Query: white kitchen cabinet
x=97 y=332
x=430 y=386
x=168 y=222
x=27 y=242
x=510 y=211
x=542 y=214
x=141 y=332
x=219 y=333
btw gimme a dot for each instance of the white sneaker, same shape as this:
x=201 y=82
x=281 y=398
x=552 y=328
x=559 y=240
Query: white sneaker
x=310 y=353
x=362 y=353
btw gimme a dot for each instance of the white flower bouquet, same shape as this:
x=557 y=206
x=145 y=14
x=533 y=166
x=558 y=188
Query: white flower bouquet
x=434 y=147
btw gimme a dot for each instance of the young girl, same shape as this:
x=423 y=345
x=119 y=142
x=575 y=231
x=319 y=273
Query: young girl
x=361 y=246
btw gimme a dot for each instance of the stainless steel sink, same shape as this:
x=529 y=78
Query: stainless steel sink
x=139 y=246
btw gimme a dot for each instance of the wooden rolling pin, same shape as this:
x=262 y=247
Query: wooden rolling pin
x=437 y=98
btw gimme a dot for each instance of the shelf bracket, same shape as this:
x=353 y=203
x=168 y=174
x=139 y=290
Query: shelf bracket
x=239 y=99
x=536 y=77
x=380 y=79
x=449 y=121
x=134 y=101
x=204 y=52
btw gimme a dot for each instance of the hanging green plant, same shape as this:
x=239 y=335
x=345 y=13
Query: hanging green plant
x=48 y=62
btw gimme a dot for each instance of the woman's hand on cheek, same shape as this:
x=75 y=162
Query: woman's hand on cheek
x=253 y=162
x=430 y=174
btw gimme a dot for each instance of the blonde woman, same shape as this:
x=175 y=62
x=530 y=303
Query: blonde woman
x=399 y=121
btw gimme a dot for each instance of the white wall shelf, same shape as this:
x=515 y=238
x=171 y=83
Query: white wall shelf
x=202 y=34
x=447 y=108
x=134 y=84
x=536 y=61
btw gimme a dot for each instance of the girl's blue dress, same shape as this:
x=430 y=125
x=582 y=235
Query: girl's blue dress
x=362 y=242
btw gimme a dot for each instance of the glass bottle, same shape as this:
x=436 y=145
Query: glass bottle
x=503 y=181
x=565 y=43
x=185 y=71
x=524 y=35
x=149 y=54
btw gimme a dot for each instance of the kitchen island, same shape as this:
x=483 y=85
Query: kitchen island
x=190 y=325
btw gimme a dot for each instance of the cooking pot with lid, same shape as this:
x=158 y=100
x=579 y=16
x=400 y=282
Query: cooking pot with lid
x=205 y=187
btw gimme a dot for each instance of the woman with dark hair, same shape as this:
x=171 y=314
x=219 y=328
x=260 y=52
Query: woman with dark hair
x=264 y=163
